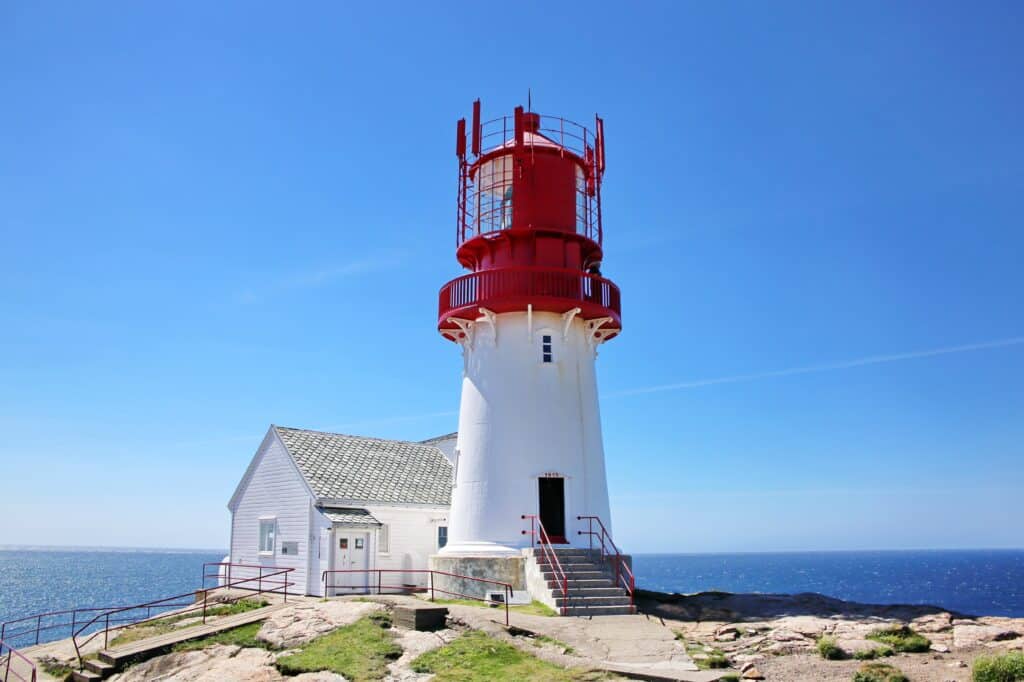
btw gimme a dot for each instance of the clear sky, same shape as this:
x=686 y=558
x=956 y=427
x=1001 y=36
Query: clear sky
x=218 y=216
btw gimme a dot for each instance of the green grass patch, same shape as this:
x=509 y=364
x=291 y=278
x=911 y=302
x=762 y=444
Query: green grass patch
x=243 y=636
x=476 y=657
x=729 y=678
x=829 y=650
x=534 y=608
x=55 y=668
x=902 y=639
x=360 y=651
x=715 y=659
x=161 y=626
x=871 y=654
x=1005 y=668
x=879 y=672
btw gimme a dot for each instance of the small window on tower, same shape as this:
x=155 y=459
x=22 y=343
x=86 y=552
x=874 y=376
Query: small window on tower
x=546 y=354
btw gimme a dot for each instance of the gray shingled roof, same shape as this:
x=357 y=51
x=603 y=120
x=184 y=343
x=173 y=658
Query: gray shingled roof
x=343 y=467
x=349 y=515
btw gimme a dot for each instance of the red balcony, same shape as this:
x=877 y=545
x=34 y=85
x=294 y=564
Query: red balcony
x=512 y=289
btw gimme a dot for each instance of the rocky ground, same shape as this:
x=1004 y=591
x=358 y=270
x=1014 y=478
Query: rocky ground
x=771 y=637
x=284 y=631
x=776 y=635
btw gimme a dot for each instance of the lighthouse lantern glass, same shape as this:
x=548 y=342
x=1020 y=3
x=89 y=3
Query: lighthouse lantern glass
x=494 y=183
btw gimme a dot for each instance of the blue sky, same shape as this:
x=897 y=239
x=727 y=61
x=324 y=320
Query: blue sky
x=220 y=216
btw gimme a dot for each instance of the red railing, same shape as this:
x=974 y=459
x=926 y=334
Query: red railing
x=539 y=537
x=611 y=553
x=32 y=627
x=483 y=206
x=112 y=620
x=514 y=288
x=410 y=589
x=16 y=665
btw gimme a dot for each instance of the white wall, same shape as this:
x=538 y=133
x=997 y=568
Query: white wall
x=413 y=538
x=274 y=488
x=521 y=419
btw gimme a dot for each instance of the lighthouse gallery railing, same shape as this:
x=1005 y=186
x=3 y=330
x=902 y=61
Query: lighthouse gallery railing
x=522 y=285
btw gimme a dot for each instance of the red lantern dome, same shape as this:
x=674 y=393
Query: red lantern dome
x=529 y=221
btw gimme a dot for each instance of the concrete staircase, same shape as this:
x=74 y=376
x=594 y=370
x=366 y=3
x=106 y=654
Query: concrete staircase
x=592 y=588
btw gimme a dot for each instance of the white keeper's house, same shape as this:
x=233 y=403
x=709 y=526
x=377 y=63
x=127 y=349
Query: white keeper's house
x=316 y=501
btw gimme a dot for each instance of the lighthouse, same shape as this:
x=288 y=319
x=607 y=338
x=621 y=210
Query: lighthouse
x=529 y=315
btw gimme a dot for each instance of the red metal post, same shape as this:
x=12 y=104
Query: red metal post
x=476 y=128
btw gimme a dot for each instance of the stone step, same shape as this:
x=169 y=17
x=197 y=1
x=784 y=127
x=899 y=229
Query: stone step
x=101 y=668
x=560 y=551
x=598 y=610
x=580 y=584
x=85 y=676
x=576 y=575
x=614 y=600
x=596 y=591
x=570 y=565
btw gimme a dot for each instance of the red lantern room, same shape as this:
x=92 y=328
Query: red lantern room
x=529 y=221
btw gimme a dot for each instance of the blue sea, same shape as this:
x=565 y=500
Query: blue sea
x=978 y=582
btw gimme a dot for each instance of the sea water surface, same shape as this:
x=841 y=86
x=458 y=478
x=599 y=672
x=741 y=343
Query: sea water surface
x=36 y=581
x=977 y=582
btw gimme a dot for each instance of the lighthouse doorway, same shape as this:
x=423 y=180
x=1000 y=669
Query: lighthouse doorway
x=551 y=493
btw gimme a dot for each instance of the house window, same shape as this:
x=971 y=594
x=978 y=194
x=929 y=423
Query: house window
x=384 y=539
x=546 y=354
x=442 y=536
x=268 y=529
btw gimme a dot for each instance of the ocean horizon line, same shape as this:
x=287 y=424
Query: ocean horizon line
x=37 y=547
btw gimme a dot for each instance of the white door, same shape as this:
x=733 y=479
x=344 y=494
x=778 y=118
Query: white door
x=351 y=553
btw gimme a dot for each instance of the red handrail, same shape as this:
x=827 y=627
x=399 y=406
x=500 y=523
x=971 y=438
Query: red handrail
x=515 y=287
x=115 y=623
x=538 y=532
x=6 y=663
x=410 y=589
x=614 y=557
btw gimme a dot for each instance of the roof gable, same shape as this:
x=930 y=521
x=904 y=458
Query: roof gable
x=342 y=467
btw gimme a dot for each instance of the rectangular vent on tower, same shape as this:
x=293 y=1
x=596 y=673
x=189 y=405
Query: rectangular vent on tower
x=546 y=348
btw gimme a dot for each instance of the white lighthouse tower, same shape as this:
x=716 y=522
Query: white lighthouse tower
x=529 y=316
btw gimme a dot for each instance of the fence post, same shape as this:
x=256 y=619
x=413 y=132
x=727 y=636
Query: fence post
x=508 y=598
x=431 y=586
x=285 y=588
x=74 y=622
x=9 y=657
x=106 y=630
x=204 y=606
x=379 y=579
x=259 y=584
x=39 y=623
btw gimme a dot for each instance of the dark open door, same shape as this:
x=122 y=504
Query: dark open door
x=552 y=507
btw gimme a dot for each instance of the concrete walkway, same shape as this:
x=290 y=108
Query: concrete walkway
x=634 y=645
